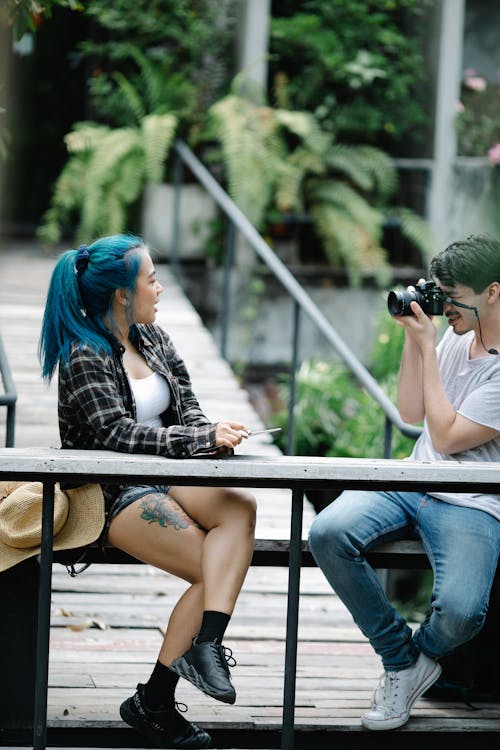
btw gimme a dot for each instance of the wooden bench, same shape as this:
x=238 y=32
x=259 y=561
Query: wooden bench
x=407 y=554
x=295 y=473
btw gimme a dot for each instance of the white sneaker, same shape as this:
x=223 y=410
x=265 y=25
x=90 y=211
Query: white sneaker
x=398 y=691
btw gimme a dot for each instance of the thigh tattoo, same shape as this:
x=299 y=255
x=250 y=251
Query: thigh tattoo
x=161 y=509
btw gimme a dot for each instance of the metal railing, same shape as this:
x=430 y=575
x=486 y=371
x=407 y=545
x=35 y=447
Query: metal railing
x=303 y=304
x=8 y=398
x=294 y=473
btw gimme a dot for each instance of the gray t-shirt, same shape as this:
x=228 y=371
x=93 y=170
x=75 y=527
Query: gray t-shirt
x=473 y=388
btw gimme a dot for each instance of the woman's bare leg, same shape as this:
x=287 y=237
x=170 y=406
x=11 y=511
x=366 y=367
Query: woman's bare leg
x=214 y=558
x=228 y=517
x=171 y=542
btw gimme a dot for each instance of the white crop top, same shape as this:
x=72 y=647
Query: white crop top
x=152 y=397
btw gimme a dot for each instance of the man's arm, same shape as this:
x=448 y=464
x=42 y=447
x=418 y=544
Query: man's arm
x=450 y=432
x=410 y=392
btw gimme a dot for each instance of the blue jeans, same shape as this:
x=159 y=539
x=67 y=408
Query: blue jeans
x=462 y=545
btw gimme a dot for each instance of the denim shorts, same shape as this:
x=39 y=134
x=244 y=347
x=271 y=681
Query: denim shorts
x=129 y=495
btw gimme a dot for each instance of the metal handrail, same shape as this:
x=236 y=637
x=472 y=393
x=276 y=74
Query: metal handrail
x=9 y=397
x=303 y=301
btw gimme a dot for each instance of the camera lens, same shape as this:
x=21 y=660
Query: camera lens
x=398 y=303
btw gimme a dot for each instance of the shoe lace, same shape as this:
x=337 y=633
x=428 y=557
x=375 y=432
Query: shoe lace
x=181 y=707
x=226 y=657
x=389 y=685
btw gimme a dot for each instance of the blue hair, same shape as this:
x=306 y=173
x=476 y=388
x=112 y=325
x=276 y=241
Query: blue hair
x=79 y=299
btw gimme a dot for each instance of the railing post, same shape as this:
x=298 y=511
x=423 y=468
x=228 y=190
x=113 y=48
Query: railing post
x=388 y=438
x=176 y=217
x=290 y=442
x=10 y=426
x=226 y=290
x=43 y=629
x=292 y=620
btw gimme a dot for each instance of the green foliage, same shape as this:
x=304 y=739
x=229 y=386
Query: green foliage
x=356 y=64
x=478 y=118
x=157 y=66
x=334 y=416
x=281 y=160
x=252 y=152
x=160 y=65
x=173 y=52
x=104 y=175
x=23 y=14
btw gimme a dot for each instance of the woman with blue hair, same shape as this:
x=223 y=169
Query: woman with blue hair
x=123 y=387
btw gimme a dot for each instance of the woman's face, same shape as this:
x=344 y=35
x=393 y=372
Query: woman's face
x=147 y=292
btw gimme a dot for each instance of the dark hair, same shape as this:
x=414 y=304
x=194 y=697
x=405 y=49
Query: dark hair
x=80 y=294
x=473 y=262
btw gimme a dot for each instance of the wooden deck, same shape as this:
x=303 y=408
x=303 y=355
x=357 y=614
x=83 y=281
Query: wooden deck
x=107 y=624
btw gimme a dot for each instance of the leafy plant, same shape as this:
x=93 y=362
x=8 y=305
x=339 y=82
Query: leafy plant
x=24 y=15
x=271 y=159
x=478 y=116
x=282 y=159
x=184 y=45
x=333 y=415
x=105 y=174
x=356 y=64
x=160 y=87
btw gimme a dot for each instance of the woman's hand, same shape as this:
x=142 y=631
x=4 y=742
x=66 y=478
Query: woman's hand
x=230 y=434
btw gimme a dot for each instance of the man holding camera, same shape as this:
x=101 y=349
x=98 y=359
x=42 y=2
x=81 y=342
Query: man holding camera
x=455 y=389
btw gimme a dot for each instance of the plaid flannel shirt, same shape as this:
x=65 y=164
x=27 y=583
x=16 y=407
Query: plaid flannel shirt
x=97 y=409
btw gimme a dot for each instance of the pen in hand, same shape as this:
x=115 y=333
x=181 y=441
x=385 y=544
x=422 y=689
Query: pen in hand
x=251 y=433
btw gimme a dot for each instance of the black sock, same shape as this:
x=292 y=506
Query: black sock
x=213 y=626
x=160 y=688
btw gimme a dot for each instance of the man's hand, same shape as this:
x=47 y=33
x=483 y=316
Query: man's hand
x=419 y=327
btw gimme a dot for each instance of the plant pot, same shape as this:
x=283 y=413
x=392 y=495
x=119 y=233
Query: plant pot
x=197 y=210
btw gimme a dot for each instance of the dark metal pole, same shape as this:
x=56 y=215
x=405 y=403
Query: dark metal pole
x=388 y=438
x=292 y=620
x=11 y=426
x=290 y=440
x=43 y=628
x=226 y=291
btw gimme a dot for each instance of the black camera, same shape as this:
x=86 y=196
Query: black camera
x=426 y=293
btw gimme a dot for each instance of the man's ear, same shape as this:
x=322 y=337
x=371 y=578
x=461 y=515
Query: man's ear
x=493 y=292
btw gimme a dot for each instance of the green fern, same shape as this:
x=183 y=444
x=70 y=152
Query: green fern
x=415 y=229
x=368 y=168
x=130 y=96
x=157 y=133
x=346 y=198
x=347 y=244
x=381 y=168
x=105 y=174
x=289 y=194
x=280 y=159
x=251 y=151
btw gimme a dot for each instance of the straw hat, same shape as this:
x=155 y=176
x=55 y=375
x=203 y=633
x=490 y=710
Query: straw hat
x=78 y=519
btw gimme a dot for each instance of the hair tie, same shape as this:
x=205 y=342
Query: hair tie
x=82 y=259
